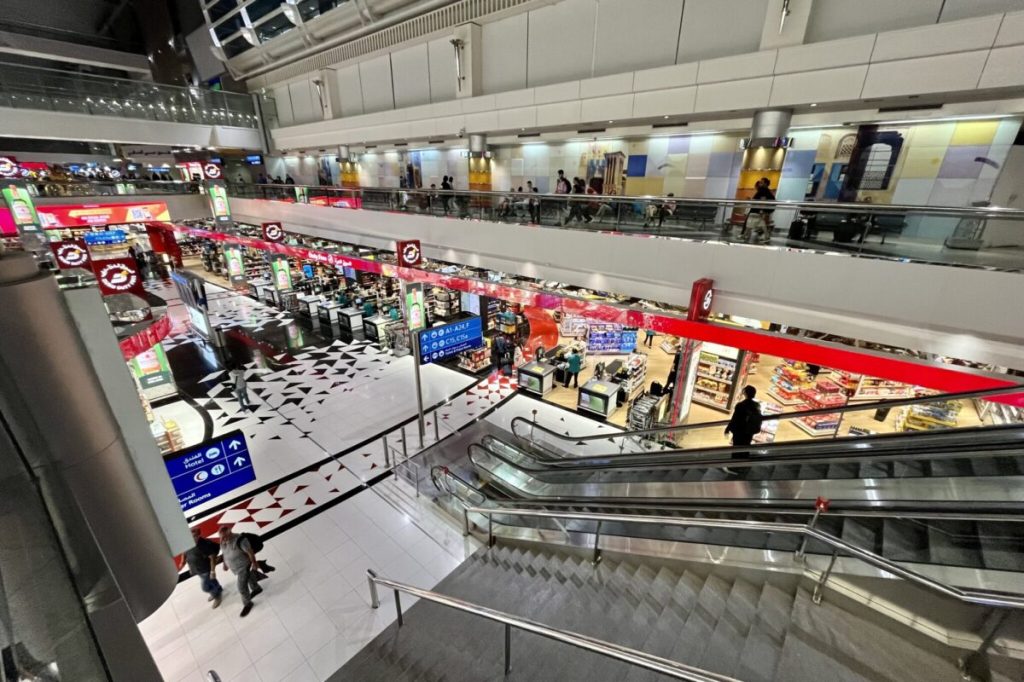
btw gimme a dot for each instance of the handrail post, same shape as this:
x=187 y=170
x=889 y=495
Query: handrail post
x=820 y=505
x=490 y=530
x=838 y=425
x=973 y=665
x=398 y=608
x=508 y=648
x=465 y=522
x=387 y=455
x=816 y=597
x=437 y=434
x=597 y=545
x=405 y=452
x=374 y=599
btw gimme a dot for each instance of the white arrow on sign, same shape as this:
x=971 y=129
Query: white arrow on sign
x=235 y=444
x=239 y=461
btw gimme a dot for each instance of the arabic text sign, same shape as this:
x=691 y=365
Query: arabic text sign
x=211 y=469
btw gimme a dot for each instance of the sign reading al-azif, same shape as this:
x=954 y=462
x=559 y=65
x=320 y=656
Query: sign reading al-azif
x=210 y=469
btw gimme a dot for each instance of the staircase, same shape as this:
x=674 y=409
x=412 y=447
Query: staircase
x=749 y=625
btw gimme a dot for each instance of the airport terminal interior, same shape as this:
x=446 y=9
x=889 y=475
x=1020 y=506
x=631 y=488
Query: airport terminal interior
x=524 y=340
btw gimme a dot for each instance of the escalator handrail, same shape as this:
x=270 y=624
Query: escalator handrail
x=980 y=597
x=689 y=459
x=877 y=404
x=447 y=473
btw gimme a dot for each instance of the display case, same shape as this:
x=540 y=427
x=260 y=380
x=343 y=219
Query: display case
x=350 y=319
x=633 y=375
x=447 y=303
x=475 y=360
x=327 y=313
x=397 y=337
x=167 y=434
x=375 y=327
x=848 y=380
x=598 y=398
x=873 y=388
x=769 y=426
x=998 y=413
x=820 y=424
x=930 y=417
x=537 y=377
x=720 y=375
x=256 y=287
x=288 y=301
x=608 y=337
x=308 y=305
x=788 y=380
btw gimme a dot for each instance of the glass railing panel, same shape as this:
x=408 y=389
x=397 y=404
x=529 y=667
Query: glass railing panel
x=24 y=87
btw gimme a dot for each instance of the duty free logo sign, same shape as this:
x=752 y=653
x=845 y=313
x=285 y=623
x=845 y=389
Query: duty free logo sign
x=70 y=254
x=118 y=276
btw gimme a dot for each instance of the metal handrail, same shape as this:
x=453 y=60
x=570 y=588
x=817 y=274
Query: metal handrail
x=679 y=671
x=980 y=597
x=722 y=456
x=878 y=404
x=809 y=206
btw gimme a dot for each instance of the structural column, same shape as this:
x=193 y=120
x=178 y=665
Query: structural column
x=764 y=153
x=348 y=168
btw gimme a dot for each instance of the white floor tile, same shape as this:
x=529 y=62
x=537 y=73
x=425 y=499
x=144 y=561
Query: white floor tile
x=280 y=662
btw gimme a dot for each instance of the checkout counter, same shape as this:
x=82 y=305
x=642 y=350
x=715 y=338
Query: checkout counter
x=257 y=287
x=350 y=319
x=308 y=305
x=537 y=377
x=327 y=313
x=598 y=397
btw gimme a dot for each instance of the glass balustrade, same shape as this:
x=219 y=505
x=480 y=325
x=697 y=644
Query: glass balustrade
x=989 y=237
x=25 y=87
x=984 y=237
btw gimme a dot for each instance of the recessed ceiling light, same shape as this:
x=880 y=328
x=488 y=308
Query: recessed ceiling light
x=814 y=104
x=611 y=121
x=666 y=116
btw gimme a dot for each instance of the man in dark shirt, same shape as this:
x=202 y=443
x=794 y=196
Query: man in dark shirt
x=202 y=561
x=745 y=422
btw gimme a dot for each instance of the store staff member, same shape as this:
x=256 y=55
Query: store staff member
x=368 y=308
x=343 y=297
x=574 y=363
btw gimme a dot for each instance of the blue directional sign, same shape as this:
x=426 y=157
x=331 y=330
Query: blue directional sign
x=438 y=343
x=106 y=237
x=210 y=469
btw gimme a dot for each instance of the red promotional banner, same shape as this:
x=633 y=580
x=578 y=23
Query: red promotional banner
x=945 y=378
x=118 y=276
x=150 y=336
x=409 y=253
x=71 y=253
x=273 y=232
x=98 y=215
x=702 y=296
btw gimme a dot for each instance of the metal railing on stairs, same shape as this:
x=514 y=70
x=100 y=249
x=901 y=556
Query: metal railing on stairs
x=808 y=531
x=640 y=659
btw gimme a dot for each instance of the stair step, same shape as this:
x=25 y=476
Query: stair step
x=762 y=648
x=732 y=629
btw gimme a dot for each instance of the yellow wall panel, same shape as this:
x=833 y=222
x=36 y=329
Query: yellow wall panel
x=975 y=132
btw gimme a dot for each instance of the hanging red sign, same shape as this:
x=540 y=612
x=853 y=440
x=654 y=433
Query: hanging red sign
x=70 y=253
x=212 y=171
x=273 y=232
x=702 y=297
x=8 y=166
x=118 y=276
x=409 y=253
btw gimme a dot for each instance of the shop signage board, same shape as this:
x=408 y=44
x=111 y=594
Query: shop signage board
x=118 y=276
x=273 y=232
x=71 y=254
x=409 y=253
x=19 y=203
x=210 y=469
x=212 y=171
x=105 y=237
x=702 y=298
x=217 y=193
x=282 y=273
x=942 y=378
x=414 y=306
x=438 y=343
x=235 y=265
x=8 y=167
x=151 y=369
x=97 y=215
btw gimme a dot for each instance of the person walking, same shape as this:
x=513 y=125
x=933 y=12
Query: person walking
x=240 y=558
x=241 y=389
x=202 y=562
x=574 y=363
x=745 y=423
x=763 y=192
x=562 y=186
x=446 y=187
x=649 y=340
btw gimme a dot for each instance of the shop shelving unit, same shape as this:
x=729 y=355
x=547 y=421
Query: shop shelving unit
x=769 y=427
x=1000 y=413
x=788 y=379
x=873 y=388
x=636 y=374
x=820 y=424
x=475 y=360
x=721 y=374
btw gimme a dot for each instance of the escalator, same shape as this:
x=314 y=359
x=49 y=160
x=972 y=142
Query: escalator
x=948 y=498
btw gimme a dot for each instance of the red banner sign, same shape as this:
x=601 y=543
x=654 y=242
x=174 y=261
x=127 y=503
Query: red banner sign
x=409 y=253
x=71 y=253
x=702 y=296
x=931 y=375
x=150 y=336
x=118 y=276
x=98 y=215
x=273 y=232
